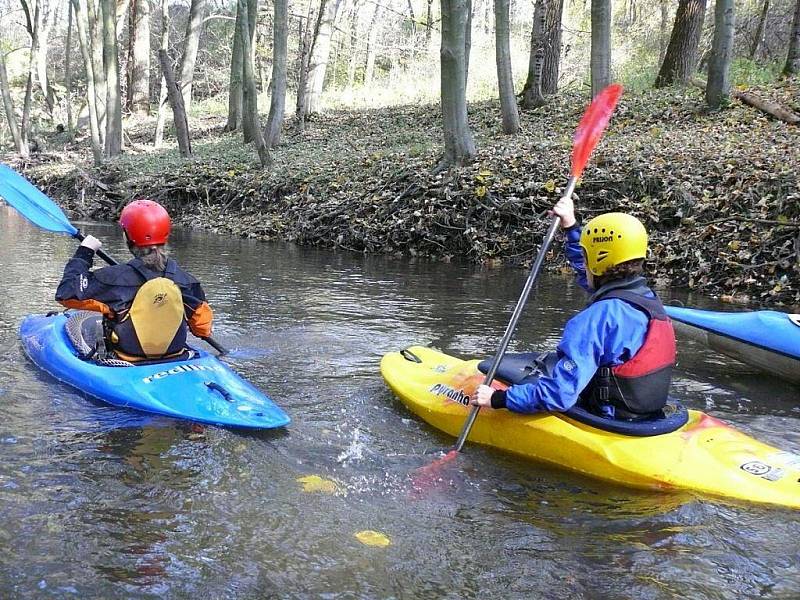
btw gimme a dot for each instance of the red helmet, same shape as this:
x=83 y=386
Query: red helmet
x=146 y=223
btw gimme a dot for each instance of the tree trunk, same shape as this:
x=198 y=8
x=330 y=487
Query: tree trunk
x=532 y=96
x=161 y=118
x=468 y=41
x=719 y=85
x=663 y=33
x=459 y=147
x=372 y=40
x=353 y=47
x=249 y=126
x=277 y=104
x=545 y=55
x=601 y=45
x=191 y=44
x=139 y=57
x=68 y=74
x=320 y=55
x=505 y=78
x=235 y=87
x=249 y=92
x=79 y=7
x=176 y=102
x=428 y=25
x=767 y=106
x=759 y=37
x=792 y=66
x=38 y=23
x=20 y=143
x=41 y=59
x=113 y=145
x=95 y=39
x=680 y=60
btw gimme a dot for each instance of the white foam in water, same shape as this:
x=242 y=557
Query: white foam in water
x=355 y=451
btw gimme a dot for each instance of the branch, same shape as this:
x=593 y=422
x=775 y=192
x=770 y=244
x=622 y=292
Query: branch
x=226 y=17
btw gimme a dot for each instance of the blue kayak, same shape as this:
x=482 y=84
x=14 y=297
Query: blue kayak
x=200 y=388
x=766 y=339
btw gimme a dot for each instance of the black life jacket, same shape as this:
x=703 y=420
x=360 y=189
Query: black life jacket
x=639 y=387
x=154 y=326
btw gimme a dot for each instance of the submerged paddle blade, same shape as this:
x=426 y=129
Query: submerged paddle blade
x=592 y=126
x=427 y=476
x=32 y=203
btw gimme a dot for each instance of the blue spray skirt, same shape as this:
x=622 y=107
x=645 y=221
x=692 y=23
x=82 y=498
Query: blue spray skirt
x=201 y=389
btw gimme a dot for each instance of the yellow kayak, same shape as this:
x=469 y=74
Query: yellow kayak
x=705 y=454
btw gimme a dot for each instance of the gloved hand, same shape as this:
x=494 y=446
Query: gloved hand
x=92 y=243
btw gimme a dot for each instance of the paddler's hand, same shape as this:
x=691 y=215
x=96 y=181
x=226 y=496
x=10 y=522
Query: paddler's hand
x=92 y=243
x=482 y=396
x=564 y=209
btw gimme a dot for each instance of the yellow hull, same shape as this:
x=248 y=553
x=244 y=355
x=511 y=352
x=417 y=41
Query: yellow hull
x=705 y=455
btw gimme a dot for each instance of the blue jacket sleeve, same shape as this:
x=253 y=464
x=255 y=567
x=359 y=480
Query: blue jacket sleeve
x=606 y=333
x=574 y=253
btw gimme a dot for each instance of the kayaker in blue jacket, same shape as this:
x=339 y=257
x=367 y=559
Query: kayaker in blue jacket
x=147 y=303
x=615 y=357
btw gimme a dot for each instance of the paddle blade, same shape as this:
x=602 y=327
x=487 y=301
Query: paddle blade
x=429 y=475
x=32 y=203
x=592 y=125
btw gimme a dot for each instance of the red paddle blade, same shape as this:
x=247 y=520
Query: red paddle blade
x=592 y=126
x=427 y=476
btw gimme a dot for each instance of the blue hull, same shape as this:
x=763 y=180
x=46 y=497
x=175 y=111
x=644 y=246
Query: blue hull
x=202 y=389
x=764 y=329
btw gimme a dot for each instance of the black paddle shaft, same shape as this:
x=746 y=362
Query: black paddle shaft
x=512 y=324
x=110 y=260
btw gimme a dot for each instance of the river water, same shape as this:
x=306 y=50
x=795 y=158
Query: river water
x=101 y=502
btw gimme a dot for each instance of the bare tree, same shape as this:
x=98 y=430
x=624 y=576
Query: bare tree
x=81 y=24
x=318 y=64
x=545 y=54
x=95 y=39
x=792 y=66
x=758 y=39
x=249 y=92
x=680 y=60
x=20 y=143
x=372 y=41
x=68 y=74
x=138 y=99
x=280 y=32
x=249 y=126
x=719 y=85
x=235 y=87
x=663 y=31
x=601 y=45
x=176 y=103
x=163 y=95
x=505 y=78
x=459 y=147
x=113 y=145
x=191 y=44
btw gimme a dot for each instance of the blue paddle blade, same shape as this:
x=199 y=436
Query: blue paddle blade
x=32 y=204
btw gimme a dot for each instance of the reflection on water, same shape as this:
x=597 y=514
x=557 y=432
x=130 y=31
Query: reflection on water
x=104 y=502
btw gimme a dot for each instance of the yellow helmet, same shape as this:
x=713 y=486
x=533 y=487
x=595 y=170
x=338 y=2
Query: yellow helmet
x=612 y=239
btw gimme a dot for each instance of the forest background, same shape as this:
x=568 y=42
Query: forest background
x=439 y=128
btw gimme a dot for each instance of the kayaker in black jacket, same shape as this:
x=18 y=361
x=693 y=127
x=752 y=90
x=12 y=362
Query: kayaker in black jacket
x=147 y=303
x=615 y=356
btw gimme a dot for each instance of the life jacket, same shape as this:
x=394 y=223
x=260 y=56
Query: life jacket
x=639 y=387
x=154 y=327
